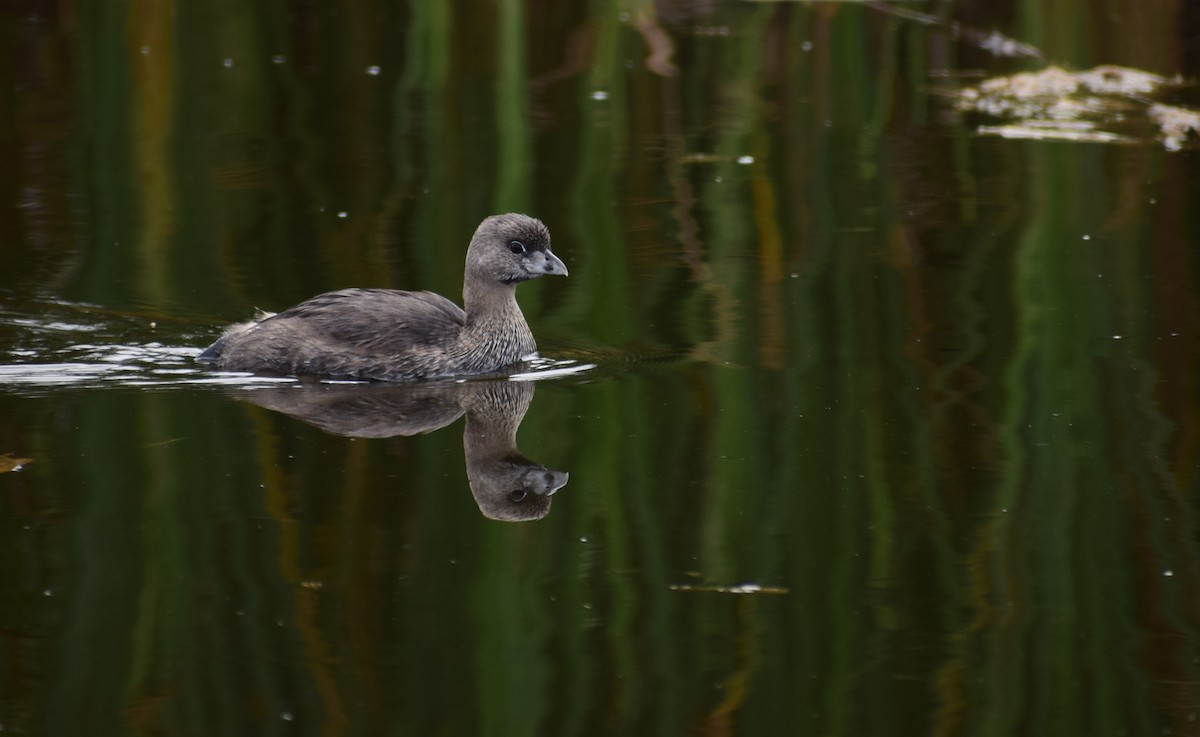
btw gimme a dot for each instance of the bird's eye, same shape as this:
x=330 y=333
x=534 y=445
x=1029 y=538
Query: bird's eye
x=516 y=246
x=520 y=494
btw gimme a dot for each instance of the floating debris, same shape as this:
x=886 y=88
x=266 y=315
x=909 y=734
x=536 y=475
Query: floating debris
x=745 y=588
x=701 y=157
x=997 y=44
x=1052 y=131
x=10 y=464
x=992 y=42
x=1032 y=93
x=1177 y=124
x=1107 y=104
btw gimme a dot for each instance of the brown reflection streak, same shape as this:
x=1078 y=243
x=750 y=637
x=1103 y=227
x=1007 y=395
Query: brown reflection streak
x=662 y=48
x=275 y=498
x=1168 y=649
x=902 y=246
x=949 y=686
x=724 y=301
x=152 y=25
x=241 y=176
x=770 y=243
x=318 y=660
x=1163 y=647
x=685 y=197
x=145 y=712
x=360 y=604
x=579 y=55
x=737 y=686
x=1175 y=298
x=950 y=679
x=366 y=231
x=822 y=63
x=1131 y=196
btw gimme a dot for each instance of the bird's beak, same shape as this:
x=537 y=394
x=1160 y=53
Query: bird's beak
x=554 y=265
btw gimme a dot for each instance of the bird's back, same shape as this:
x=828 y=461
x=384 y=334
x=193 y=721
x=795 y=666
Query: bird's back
x=357 y=333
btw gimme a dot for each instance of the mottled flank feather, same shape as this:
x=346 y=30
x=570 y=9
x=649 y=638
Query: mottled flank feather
x=352 y=316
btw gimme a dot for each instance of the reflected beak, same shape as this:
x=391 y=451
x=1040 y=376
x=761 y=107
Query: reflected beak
x=555 y=480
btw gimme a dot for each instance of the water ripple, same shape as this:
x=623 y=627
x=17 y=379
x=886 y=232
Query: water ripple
x=101 y=350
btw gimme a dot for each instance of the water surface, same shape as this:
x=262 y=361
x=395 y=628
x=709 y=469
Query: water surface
x=862 y=420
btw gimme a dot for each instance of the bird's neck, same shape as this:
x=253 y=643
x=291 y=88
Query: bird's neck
x=486 y=301
x=494 y=413
x=495 y=331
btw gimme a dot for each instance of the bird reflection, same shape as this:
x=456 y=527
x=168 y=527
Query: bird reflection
x=506 y=485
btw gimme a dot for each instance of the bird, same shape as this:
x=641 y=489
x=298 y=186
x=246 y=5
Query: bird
x=401 y=336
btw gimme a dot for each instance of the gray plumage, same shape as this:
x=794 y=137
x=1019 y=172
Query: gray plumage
x=506 y=484
x=390 y=335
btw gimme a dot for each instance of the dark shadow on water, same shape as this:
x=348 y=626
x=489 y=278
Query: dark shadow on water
x=506 y=485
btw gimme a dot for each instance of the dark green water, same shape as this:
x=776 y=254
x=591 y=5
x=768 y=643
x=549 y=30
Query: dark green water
x=873 y=425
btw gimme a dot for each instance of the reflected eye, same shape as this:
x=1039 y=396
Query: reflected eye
x=520 y=494
x=516 y=246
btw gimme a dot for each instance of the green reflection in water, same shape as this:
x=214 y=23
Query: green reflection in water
x=889 y=384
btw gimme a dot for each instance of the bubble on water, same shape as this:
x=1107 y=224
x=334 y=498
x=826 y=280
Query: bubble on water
x=373 y=71
x=745 y=159
x=278 y=59
x=599 y=95
x=228 y=63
